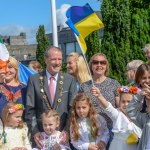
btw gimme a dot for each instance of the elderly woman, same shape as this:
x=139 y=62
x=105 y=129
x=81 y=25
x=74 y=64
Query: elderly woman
x=131 y=69
x=99 y=68
x=11 y=89
x=76 y=66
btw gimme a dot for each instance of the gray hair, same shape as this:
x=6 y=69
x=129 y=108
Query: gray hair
x=147 y=46
x=133 y=65
x=46 y=54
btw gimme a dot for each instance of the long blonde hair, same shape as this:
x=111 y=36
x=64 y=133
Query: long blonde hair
x=14 y=63
x=82 y=73
x=6 y=113
x=92 y=117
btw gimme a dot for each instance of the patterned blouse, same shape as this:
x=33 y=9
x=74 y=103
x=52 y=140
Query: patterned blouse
x=12 y=94
x=108 y=89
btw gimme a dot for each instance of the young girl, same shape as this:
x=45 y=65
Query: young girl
x=88 y=130
x=142 y=119
x=51 y=137
x=122 y=125
x=15 y=131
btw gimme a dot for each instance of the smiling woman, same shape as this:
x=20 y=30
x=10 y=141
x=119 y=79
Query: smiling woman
x=11 y=90
x=99 y=68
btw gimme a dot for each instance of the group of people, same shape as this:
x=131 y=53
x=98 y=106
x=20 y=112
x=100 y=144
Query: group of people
x=76 y=110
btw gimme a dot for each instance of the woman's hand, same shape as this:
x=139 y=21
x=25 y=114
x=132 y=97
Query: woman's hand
x=2 y=75
x=146 y=91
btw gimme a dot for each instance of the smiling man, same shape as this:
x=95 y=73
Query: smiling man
x=50 y=89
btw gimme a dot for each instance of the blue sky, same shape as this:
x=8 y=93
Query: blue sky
x=26 y=15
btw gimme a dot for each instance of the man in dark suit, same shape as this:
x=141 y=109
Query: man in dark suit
x=40 y=99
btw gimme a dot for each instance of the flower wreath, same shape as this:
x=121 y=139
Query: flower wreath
x=128 y=89
x=15 y=108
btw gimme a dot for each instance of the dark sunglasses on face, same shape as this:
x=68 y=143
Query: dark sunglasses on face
x=96 y=62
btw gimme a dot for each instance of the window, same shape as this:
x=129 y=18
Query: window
x=70 y=47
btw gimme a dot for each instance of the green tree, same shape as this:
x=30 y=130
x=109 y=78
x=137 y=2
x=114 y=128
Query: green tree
x=126 y=31
x=42 y=45
x=116 y=45
x=140 y=29
x=93 y=44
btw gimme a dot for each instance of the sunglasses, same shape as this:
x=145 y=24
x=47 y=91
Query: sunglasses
x=96 y=62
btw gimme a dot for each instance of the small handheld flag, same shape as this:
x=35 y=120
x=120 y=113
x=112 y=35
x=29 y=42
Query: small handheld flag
x=83 y=21
x=24 y=73
x=4 y=55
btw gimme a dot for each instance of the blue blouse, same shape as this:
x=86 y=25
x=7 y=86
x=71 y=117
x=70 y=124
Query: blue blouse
x=12 y=94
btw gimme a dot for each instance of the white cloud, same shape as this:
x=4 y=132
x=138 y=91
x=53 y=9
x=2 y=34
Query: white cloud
x=61 y=15
x=12 y=30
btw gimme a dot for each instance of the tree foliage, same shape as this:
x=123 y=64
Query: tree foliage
x=42 y=45
x=126 y=31
x=93 y=44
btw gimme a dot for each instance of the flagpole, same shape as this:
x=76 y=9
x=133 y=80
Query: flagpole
x=85 y=59
x=54 y=23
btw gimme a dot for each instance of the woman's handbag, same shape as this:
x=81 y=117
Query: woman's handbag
x=132 y=139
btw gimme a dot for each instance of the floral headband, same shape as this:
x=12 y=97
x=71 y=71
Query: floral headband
x=128 y=89
x=15 y=108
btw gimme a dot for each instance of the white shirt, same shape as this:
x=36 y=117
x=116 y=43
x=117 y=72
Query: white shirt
x=55 y=81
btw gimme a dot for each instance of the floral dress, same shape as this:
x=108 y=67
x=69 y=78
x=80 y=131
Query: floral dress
x=15 y=137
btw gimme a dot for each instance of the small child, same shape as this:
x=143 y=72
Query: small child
x=122 y=124
x=15 y=131
x=88 y=130
x=51 y=137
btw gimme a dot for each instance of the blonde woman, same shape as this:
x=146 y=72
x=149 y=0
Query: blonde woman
x=76 y=66
x=11 y=89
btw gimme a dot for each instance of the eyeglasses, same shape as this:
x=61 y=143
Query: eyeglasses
x=96 y=62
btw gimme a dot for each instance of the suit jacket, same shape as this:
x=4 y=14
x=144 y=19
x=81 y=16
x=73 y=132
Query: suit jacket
x=35 y=104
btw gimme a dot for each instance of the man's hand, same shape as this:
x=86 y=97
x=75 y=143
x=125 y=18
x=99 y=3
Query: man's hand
x=19 y=148
x=92 y=147
x=37 y=138
x=56 y=147
x=101 y=145
x=64 y=136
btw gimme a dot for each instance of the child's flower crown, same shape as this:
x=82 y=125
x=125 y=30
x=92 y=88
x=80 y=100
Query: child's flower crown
x=128 y=89
x=15 y=108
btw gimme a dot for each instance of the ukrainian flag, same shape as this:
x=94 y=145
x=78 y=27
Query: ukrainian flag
x=83 y=21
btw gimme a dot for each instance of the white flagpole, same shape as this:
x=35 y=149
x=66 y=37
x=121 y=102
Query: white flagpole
x=84 y=59
x=54 y=23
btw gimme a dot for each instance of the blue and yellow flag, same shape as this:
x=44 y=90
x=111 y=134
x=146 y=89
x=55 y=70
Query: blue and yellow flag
x=83 y=21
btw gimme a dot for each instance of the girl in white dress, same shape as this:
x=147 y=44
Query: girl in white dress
x=88 y=130
x=15 y=131
x=51 y=139
x=122 y=125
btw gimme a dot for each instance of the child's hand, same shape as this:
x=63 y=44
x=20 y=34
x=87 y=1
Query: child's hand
x=101 y=145
x=96 y=92
x=92 y=147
